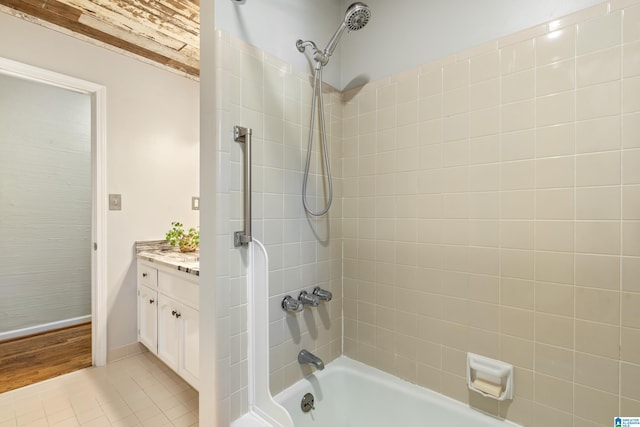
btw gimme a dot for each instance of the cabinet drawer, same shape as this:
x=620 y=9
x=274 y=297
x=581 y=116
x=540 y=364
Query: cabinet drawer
x=181 y=290
x=147 y=276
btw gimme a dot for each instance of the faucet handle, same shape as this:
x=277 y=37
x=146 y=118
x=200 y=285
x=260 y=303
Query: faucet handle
x=322 y=294
x=291 y=305
x=309 y=299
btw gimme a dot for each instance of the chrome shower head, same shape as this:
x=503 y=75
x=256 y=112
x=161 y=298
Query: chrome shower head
x=357 y=16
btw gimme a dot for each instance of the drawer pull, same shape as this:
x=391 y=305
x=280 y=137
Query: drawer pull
x=178 y=315
x=144 y=274
x=151 y=301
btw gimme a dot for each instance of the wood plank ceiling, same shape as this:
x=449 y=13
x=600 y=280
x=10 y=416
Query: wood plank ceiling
x=164 y=31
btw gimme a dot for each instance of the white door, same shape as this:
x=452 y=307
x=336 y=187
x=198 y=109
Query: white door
x=168 y=331
x=148 y=318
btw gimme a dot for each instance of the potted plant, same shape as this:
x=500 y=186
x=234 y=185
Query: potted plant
x=186 y=241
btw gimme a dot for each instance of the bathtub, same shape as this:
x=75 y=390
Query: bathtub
x=350 y=394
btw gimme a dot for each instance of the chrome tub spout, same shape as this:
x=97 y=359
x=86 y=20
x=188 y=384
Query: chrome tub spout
x=305 y=357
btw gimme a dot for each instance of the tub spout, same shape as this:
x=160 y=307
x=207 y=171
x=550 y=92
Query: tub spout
x=305 y=357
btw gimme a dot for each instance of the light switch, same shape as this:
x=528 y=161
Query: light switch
x=115 y=202
x=195 y=203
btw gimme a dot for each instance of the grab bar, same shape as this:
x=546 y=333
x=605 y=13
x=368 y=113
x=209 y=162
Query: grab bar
x=243 y=135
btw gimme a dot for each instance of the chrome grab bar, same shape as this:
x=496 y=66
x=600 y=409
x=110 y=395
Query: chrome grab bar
x=243 y=135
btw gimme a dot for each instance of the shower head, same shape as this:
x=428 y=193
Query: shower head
x=355 y=18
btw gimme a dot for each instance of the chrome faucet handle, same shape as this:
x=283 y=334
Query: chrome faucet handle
x=323 y=294
x=291 y=305
x=309 y=299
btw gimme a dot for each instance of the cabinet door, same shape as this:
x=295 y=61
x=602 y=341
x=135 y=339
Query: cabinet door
x=148 y=318
x=169 y=331
x=190 y=355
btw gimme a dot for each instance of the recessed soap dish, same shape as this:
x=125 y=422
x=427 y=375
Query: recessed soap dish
x=489 y=377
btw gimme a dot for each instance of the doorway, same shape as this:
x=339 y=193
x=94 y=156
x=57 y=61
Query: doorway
x=45 y=241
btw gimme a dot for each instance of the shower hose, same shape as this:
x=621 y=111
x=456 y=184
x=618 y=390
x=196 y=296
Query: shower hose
x=317 y=89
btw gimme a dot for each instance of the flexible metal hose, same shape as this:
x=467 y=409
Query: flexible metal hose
x=317 y=87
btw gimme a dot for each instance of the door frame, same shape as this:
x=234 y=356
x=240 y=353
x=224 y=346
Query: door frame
x=98 y=95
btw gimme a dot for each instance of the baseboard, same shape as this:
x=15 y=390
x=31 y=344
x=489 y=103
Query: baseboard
x=125 y=351
x=38 y=329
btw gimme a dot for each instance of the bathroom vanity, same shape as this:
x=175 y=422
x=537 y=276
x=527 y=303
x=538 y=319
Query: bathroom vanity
x=168 y=304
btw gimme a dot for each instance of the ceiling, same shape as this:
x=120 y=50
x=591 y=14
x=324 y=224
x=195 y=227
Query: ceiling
x=163 y=31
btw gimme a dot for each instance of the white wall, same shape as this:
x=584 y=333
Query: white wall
x=152 y=148
x=399 y=35
x=275 y=25
x=402 y=35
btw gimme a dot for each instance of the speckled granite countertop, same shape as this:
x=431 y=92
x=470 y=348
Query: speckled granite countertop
x=161 y=252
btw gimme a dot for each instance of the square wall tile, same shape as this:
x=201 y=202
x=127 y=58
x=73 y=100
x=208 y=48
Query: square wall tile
x=517 y=293
x=597 y=271
x=599 y=67
x=597 y=372
x=599 y=33
x=597 y=305
x=517 y=57
x=516 y=264
x=430 y=83
x=555 y=78
x=555 y=172
x=594 y=405
x=518 y=145
x=598 y=237
x=484 y=95
x=556 y=109
x=554 y=392
x=598 y=101
x=598 y=339
x=555 y=267
x=556 y=46
x=554 y=330
x=594 y=203
x=456 y=75
x=557 y=140
x=485 y=67
x=598 y=169
x=596 y=135
x=517 y=204
x=518 y=116
x=554 y=299
x=554 y=361
x=518 y=86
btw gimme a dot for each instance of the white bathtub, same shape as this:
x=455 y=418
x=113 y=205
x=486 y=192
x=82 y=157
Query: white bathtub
x=350 y=394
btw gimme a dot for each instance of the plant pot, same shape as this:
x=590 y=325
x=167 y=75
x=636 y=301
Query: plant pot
x=188 y=248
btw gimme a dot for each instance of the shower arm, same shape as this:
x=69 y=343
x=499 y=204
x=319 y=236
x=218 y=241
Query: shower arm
x=321 y=58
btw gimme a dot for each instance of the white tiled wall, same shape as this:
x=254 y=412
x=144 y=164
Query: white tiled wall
x=261 y=92
x=491 y=205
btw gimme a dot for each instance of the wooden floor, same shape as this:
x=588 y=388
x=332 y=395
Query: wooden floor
x=36 y=358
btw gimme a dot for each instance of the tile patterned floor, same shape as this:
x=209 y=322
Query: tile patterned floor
x=136 y=391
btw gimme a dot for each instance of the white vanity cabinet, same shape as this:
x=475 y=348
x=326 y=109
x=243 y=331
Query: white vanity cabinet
x=148 y=317
x=169 y=326
x=178 y=344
